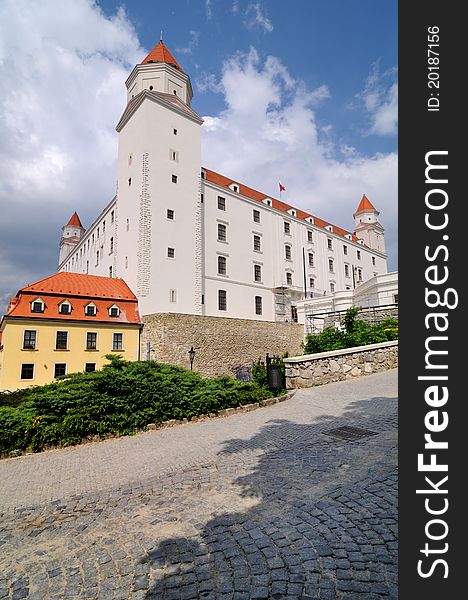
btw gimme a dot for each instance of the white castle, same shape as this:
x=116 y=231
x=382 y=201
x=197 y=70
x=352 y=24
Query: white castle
x=189 y=240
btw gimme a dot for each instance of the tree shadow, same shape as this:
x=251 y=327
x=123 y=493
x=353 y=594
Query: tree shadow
x=322 y=524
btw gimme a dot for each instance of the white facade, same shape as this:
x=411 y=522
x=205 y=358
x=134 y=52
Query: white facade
x=188 y=240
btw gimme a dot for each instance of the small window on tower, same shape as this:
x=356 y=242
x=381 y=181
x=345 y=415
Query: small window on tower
x=129 y=181
x=174 y=178
x=174 y=131
x=151 y=88
x=170 y=253
x=170 y=214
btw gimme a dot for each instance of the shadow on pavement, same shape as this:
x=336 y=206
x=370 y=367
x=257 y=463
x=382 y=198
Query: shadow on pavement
x=323 y=523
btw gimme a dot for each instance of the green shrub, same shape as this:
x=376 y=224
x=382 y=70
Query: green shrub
x=117 y=400
x=354 y=333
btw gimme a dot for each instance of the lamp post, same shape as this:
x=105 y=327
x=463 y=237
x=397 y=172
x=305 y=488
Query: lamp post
x=191 y=354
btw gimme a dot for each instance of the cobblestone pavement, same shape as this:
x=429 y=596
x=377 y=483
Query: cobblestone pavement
x=265 y=504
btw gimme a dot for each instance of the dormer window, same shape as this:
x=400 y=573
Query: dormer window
x=90 y=310
x=292 y=212
x=37 y=306
x=329 y=228
x=65 y=308
x=267 y=201
x=310 y=220
x=234 y=187
x=114 y=311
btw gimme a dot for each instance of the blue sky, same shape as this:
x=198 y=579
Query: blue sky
x=335 y=42
x=304 y=92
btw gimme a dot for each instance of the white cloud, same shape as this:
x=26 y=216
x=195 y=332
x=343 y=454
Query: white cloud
x=254 y=17
x=192 y=44
x=380 y=100
x=271 y=119
x=63 y=64
x=208 y=9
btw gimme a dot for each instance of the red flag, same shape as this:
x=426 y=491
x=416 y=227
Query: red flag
x=281 y=188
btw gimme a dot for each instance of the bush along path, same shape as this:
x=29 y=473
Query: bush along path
x=121 y=399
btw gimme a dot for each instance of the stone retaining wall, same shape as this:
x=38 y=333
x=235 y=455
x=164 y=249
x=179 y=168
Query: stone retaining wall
x=325 y=367
x=221 y=344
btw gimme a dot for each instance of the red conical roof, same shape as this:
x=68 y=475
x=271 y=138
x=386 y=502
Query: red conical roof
x=365 y=205
x=75 y=220
x=162 y=55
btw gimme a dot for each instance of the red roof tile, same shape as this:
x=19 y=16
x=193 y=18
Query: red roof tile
x=75 y=220
x=79 y=290
x=161 y=54
x=365 y=205
x=223 y=181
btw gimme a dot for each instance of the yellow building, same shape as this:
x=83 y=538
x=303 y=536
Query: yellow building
x=64 y=324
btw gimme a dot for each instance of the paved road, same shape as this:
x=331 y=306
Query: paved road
x=265 y=504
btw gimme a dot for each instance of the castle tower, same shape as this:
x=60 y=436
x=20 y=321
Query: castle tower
x=72 y=233
x=159 y=204
x=368 y=227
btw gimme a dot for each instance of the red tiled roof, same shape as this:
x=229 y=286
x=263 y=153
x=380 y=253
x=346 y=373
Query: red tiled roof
x=223 y=181
x=161 y=54
x=79 y=290
x=365 y=205
x=75 y=220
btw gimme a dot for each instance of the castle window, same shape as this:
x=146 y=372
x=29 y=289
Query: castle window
x=60 y=369
x=373 y=261
x=222 y=300
x=103 y=227
x=37 y=306
x=61 y=340
x=174 y=131
x=98 y=232
x=287 y=227
x=170 y=253
x=332 y=287
x=257 y=243
x=170 y=214
x=221 y=203
x=172 y=296
x=87 y=266
x=358 y=254
x=65 y=308
x=129 y=184
x=173 y=155
x=29 y=339
x=287 y=252
x=126 y=262
x=97 y=258
x=174 y=178
x=117 y=341
x=90 y=310
x=112 y=216
x=311 y=283
x=289 y=278
x=359 y=274
x=309 y=236
x=110 y=271
x=346 y=270
x=294 y=314
x=345 y=249
x=222 y=265
x=330 y=243
x=258 y=305
x=111 y=245
x=256 y=216
x=311 y=259
x=222 y=232
x=151 y=88
x=257 y=273
x=90 y=367
x=331 y=267
x=128 y=225
x=91 y=340
x=27 y=371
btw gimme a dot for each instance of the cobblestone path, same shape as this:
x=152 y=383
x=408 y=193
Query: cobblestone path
x=265 y=504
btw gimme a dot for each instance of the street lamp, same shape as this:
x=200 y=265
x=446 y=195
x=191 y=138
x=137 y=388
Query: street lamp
x=191 y=354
